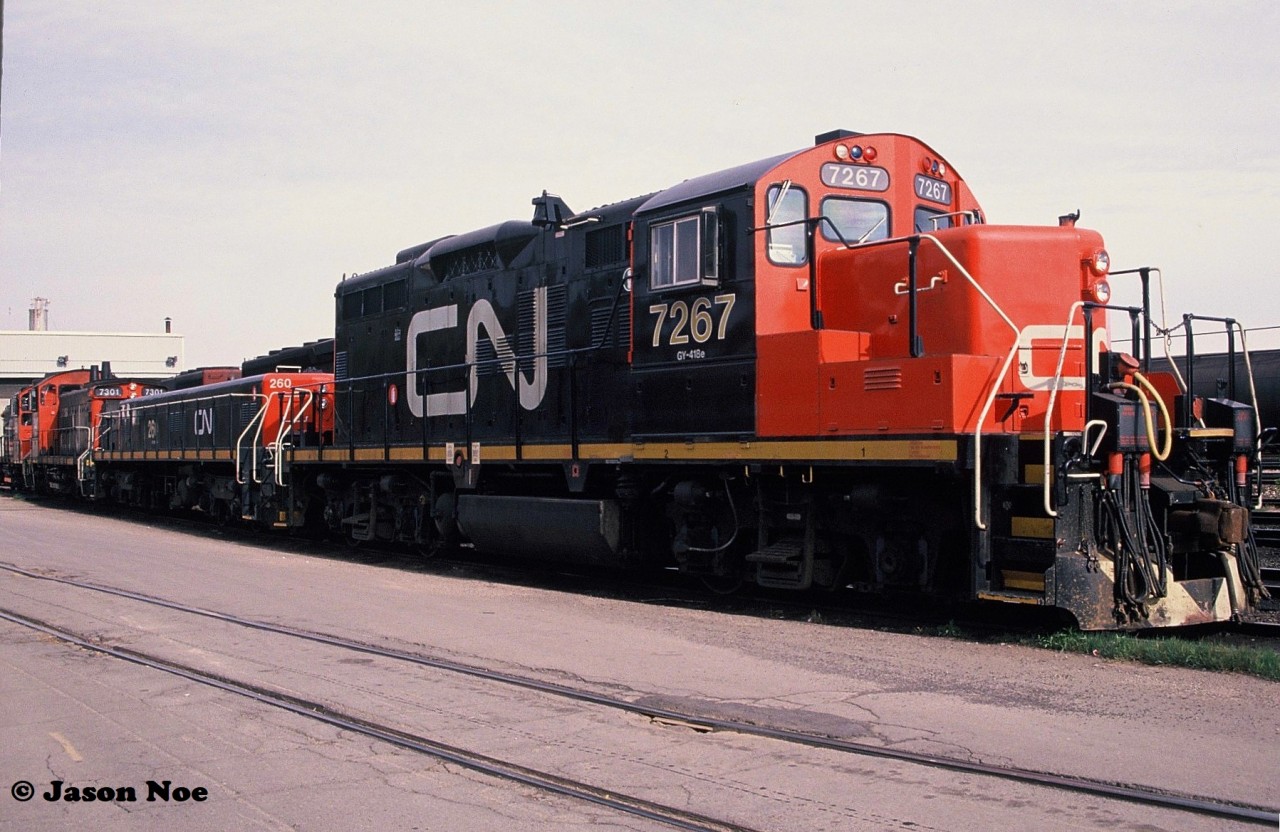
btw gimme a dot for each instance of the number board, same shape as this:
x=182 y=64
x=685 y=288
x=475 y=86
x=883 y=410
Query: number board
x=855 y=177
x=705 y=321
x=934 y=190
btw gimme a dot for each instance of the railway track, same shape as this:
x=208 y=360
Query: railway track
x=315 y=711
x=1260 y=629
x=1266 y=527
x=1196 y=804
x=1271 y=580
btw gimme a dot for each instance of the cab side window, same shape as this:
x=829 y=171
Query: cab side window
x=685 y=251
x=786 y=203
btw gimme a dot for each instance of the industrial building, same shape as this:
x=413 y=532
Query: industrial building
x=26 y=356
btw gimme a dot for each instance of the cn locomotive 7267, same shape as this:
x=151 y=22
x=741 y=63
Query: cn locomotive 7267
x=819 y=370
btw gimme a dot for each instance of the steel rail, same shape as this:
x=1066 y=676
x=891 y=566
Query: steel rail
x=475 y=761
x=1258 y=629
x=1125 y=792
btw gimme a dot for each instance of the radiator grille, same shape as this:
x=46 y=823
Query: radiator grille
x=606 y=246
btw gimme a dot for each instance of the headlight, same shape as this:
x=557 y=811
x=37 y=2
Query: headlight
x=1100 y=263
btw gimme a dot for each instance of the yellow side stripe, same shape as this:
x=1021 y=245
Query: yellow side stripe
x=894 y=450
x=883 y=450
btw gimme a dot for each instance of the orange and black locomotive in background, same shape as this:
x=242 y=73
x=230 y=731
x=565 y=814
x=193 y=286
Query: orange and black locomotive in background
x=216 y=447
x=819 y=370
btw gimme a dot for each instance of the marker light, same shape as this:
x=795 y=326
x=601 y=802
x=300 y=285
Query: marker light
x=1100 y=263
x=942 y=168
x=870 y=153
x=855 y=152
x=926 y=164
x=842 y=151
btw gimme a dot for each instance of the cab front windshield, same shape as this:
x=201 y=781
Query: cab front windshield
x=854 y=221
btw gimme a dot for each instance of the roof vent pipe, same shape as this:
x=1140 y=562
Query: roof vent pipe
x=38 y=318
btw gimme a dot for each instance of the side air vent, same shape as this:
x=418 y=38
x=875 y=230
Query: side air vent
x=882 y=378
x=619 y=334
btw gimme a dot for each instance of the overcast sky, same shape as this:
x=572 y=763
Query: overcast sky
x=224 y=163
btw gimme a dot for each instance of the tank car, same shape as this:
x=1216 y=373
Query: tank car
x=822 y=369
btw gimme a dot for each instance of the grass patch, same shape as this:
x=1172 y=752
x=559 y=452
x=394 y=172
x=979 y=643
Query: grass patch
x=1173 y=652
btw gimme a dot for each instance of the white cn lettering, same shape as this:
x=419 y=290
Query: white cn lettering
x=204 y=421
x=454 y=403
x=482 y=315
x=1050 y=341
x=437 y=404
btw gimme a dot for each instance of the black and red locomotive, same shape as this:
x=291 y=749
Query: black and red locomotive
x=819 y=370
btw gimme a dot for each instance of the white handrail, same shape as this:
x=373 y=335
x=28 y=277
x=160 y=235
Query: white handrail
x=80 y=466
x=1096 y=423
x=277 y=444
x=80 y=460
x=257 y=420
x=257 y=436
x=995 y=388
x=1053 y=397
x=287 y=427
x=1257 y=418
